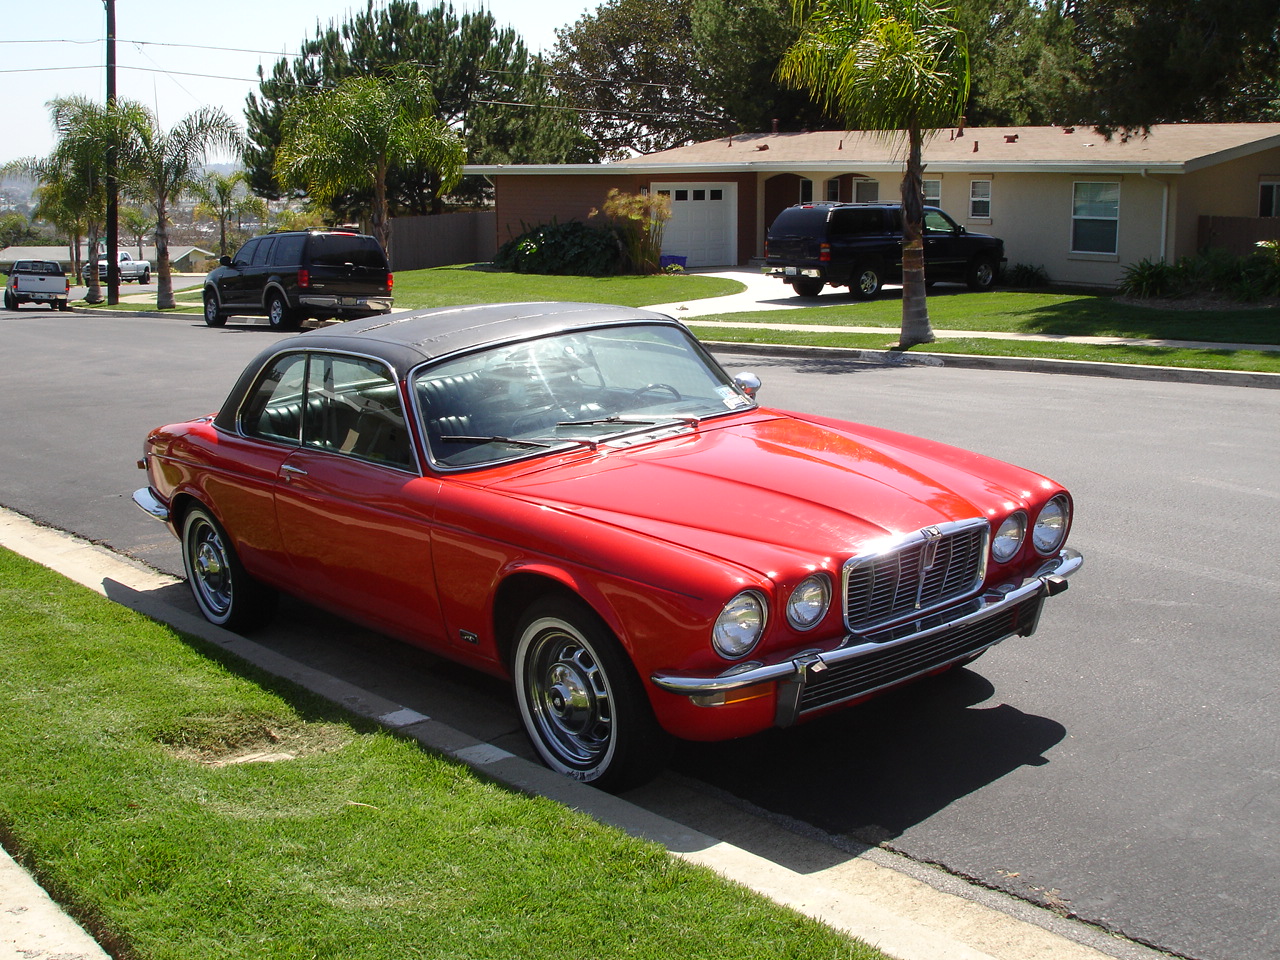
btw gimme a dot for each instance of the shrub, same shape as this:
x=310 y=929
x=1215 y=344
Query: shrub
x=1151 y=278
x=638 y=220
x=561 y=248
x=1025 y=275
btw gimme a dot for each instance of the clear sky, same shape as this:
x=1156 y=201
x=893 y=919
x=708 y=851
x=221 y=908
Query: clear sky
x=57 y=48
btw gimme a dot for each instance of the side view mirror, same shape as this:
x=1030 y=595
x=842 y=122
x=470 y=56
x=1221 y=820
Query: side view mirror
x=747 y=382
x=224 y=261
x=960 y=229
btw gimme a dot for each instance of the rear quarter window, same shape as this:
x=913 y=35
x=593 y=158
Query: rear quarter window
x=853 y=222
x=288 y=251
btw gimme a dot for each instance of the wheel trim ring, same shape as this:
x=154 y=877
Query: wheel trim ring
x=868 y=282
x=209 y=569
x=569 y=698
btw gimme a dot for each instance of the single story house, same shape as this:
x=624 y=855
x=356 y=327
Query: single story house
x=1063 y=198
x=182 y=259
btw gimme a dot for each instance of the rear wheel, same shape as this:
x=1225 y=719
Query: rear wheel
x=866 y=282
x=279 y=316
x=146 y=276
x=10 y=301
x=225 y=593
x=580 y=699
x=807 y=288
x=213 y=316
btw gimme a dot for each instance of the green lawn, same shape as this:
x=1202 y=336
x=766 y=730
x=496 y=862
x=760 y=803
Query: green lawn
x=1053 y=314
x=119 y=791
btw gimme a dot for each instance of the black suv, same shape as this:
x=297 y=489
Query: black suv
x=859 y=245
x=288 y=277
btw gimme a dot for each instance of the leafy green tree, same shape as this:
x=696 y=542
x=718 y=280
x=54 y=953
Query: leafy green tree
x=136 y=223
x=632 y=69
x=158 y=166
x=484 y=82
x=900 y=67
x=1026 y=68
x=348 y=137
x=17 y=230
x=216 y=195
x=1155 y=62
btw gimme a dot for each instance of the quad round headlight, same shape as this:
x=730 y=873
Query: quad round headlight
x=740 y=625
x=1051 y=525
x=1009 y=537
x=808 y=602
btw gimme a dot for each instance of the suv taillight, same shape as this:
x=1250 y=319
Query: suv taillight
x=391 y=279
x=824 y=253
x=304 y=278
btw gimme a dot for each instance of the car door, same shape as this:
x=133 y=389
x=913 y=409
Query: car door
x=355 y=513
x=944 y=246
x=231 y=280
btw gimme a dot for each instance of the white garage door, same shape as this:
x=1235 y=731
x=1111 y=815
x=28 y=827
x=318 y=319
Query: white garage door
x=703 y=222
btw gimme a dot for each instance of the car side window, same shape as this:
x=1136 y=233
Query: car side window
x=853 y=222
x=274 y=409
x=287 y=251
x=244 y=256
x=262 y=255
x=354 y=408
x=935 y=221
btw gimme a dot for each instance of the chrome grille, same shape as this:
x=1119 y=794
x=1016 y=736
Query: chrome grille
x=929 y=568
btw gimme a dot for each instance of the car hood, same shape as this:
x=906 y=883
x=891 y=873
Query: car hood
x=764 y=485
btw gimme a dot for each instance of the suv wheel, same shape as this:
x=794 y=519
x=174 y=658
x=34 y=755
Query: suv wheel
x=279 y=316
x=807 y=288
x=982 y=274
x=866 y=282
x=212 y=315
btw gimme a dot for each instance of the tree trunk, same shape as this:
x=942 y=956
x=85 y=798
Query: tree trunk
x=916 y=328
x=164 y=287
x=94 y=293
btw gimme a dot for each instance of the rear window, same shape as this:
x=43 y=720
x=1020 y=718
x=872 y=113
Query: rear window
x=340 y=250
x=801 y=222
x=36 y=266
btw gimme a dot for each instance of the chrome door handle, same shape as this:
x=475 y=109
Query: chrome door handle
x=292 y=470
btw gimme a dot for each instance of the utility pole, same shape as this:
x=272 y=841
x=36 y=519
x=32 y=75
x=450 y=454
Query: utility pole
x=113 y=178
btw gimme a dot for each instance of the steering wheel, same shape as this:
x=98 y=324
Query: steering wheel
x=655 y=388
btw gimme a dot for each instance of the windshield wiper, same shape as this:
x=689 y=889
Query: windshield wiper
x=461 y=438
x=625 y=421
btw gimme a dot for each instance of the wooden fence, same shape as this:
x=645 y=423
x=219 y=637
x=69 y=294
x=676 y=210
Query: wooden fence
x=418 y=242
x=1236 y=234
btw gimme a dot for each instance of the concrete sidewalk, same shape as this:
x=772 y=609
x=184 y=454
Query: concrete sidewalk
x=909 y=910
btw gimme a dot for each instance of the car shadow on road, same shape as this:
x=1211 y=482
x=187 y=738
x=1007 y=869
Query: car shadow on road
x=871 y=772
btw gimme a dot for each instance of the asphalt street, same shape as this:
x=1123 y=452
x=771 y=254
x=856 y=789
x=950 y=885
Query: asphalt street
x=1121 y=765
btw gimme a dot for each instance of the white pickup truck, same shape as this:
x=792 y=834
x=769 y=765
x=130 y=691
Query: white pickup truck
x=130 y=269
x=37 y=281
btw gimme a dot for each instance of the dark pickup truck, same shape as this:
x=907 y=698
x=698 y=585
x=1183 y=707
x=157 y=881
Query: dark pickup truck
x=859 y=245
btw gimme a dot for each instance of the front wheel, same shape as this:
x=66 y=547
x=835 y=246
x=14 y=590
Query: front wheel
x=580 y=699
x=982 y=274
x=866 y=282
x=213 y=316
x=226 y=594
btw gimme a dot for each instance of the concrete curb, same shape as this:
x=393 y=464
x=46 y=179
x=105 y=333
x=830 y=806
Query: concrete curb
x=908 y=917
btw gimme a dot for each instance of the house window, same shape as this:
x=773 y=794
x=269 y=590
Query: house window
x=1095 y=218
x=806 y=190
x=833 y=190
x=1269 y=199
x=979 y=199
x=866 y=191
x=933 y=192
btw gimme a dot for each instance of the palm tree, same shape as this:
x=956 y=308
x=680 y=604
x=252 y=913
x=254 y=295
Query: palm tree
x=73 y=176
x=345 y=139
x=161 y=165
x=217 y=195
x=898 y=67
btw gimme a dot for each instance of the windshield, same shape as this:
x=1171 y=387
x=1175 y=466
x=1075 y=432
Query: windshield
x=583 y=387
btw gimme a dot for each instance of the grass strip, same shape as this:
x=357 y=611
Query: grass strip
x=1253 y=361
x=183 y=806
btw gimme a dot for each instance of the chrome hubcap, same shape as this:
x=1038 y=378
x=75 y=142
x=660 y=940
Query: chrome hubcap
x=569 y=698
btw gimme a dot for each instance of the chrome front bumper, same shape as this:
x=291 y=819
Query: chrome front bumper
x=151 y=505
x=922 y=644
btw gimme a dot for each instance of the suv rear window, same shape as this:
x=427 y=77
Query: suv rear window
x=801 y=222
x=336 y=250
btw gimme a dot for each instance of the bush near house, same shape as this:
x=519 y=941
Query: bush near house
x=1213 y=273
x=557 y=248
